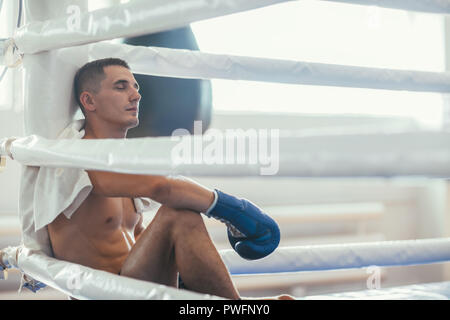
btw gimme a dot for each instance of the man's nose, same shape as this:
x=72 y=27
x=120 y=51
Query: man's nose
x=135 y=96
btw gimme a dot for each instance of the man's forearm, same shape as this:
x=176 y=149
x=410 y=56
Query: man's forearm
x=176 y=192
x=183 y=193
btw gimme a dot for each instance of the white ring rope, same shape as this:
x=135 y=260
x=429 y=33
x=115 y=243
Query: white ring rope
x=137 y=18
x=431 y=6
x=407 y=153
x=82 y=282
x=343 y=256
x=313 y=257
x=130 y=19
x=195 y=64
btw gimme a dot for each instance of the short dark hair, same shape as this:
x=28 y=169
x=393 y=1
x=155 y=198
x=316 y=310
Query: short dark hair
x=89 y=76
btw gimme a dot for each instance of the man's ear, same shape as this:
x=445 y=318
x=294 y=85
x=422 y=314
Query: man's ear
x=87 y=100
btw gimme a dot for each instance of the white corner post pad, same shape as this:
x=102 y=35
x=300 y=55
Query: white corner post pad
x=2 y=51
x=5 y=146
x=9 y=53
x=9 y=259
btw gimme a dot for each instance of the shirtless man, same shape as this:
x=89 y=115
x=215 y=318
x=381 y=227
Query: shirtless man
x=106 y=233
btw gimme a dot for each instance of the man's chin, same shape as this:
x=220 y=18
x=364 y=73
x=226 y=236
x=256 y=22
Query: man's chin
x=133 y=124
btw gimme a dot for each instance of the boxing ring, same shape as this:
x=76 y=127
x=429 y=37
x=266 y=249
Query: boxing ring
x=51 y=44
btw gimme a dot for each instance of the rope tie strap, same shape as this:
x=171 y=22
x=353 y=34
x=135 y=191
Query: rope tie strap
x=5 y=148
x=30 y=284
x=10 y=55
x=4 y=265
x=2 y=163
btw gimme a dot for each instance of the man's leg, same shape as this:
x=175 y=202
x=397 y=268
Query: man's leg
x=178 y=241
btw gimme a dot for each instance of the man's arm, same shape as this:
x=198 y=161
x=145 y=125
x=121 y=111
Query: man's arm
x=176 y=192
x=252 y=233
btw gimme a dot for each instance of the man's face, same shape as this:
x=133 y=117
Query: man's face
x=117 y=101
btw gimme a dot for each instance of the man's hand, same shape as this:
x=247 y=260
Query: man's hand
x=251 y=232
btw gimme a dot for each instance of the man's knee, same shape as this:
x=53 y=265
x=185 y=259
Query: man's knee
x=179 y=219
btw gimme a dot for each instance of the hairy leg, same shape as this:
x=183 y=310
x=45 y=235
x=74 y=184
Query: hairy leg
x=178 y=241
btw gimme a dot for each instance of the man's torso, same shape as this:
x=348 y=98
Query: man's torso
x=99 y=234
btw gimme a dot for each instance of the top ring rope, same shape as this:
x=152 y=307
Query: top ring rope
x=430 y=6
x=130 y=19
x=137 y=18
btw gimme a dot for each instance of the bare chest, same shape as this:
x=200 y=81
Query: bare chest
x=102 y=214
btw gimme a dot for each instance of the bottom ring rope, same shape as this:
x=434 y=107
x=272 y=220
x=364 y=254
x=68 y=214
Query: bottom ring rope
x=96 y=284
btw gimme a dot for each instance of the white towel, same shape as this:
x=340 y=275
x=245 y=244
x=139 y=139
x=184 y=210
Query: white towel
x=63 y=190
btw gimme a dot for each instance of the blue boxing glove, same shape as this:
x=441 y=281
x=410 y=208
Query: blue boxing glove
x=251 y=232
